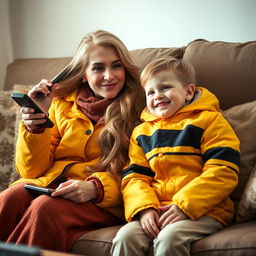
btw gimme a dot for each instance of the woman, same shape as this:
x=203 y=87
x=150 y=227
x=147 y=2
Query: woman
x=94 y=110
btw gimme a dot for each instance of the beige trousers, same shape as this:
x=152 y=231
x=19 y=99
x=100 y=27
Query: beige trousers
x=173 y=240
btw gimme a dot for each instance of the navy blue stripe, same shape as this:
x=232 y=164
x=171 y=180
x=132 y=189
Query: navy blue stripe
x=134 y=168
x=223 y=153
x=175 y=153
x=189 y=136
x=233 y=169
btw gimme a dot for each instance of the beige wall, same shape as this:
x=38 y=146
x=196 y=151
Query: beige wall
x=53 y=28
x=5 y=40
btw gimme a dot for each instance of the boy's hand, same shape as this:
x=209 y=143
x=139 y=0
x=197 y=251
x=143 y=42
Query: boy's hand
x=148 y=219
x=170 y=214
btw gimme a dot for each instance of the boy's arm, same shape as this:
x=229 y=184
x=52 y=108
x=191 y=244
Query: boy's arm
x=220 y=152
x=136 y=183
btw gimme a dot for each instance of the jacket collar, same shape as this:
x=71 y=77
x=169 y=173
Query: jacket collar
x=74 y=111
x=204 y=100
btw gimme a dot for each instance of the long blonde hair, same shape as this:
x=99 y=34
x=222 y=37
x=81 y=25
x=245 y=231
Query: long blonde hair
x=123 y=114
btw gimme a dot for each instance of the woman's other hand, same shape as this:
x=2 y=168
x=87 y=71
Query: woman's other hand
x=77 y=191
x=31 y=119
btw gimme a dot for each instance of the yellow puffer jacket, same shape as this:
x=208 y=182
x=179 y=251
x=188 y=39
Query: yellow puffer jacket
x=190 y=159
x=72 y=144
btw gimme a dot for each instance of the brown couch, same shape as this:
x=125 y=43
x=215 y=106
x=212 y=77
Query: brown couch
x=226 y=69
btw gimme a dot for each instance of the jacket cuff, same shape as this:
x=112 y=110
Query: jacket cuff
x=36 y=131
x=100 y=189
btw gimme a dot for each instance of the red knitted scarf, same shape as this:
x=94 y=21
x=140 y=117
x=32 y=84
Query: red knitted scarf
x=92 y=106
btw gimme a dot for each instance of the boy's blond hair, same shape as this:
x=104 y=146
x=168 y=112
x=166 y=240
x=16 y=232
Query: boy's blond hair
x=184 y=71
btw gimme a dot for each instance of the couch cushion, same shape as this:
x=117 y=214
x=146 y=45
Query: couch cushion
x=243 y=120
x=225 y=69
x=7 y=144
x=96 y=242
x=247 y=206
x=238 y=240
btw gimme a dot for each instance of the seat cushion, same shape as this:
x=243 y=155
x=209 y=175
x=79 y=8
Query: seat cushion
x=97 y=242
x=238 y=239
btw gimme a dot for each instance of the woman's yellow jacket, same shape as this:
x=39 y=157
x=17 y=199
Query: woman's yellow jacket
x=190 y=159
x=66 y=149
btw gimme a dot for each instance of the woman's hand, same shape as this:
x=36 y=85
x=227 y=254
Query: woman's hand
x=77 y=191
x=30 y=118
x=170 y=214
x=149 y=219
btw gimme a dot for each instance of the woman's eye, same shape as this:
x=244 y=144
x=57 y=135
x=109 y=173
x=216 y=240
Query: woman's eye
x=98 y=68
x=117 y=65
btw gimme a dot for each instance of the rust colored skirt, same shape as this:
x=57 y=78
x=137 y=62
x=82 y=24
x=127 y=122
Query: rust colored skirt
x=50 y=223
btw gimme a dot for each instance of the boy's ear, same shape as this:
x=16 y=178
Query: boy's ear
x=190 y=91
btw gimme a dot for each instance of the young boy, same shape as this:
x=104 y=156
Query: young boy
x=184 y=161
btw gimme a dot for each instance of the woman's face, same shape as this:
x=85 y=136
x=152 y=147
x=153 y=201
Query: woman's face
x=105 y=73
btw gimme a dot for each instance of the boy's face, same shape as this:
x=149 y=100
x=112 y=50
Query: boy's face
x=165 y=94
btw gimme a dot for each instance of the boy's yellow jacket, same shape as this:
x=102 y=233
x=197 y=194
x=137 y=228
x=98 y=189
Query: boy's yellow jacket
x=190 y=159
x=41 y=158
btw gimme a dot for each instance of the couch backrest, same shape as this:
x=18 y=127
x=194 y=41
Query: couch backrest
x=226 y=69
x=31 y=71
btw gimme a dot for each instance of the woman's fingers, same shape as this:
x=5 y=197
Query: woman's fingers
x=43 y=87
x=31 y=119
